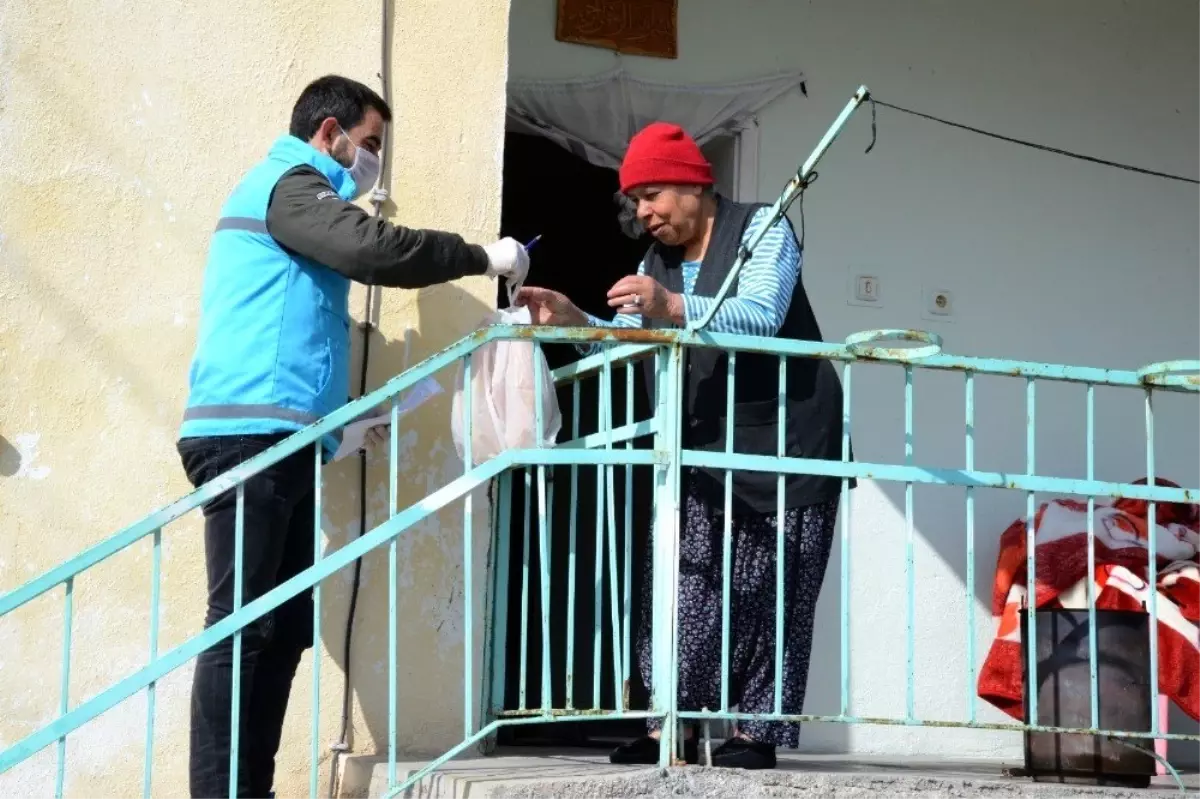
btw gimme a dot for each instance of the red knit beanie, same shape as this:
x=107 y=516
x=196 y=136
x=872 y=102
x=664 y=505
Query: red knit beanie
x=663 y=153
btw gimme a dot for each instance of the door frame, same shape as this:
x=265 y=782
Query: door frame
x=745 y=165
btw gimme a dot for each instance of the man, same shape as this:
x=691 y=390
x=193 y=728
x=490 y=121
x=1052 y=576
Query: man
x=272 y=356
x=698 y=235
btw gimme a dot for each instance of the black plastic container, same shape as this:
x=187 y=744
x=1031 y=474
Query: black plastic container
x=1064 y=698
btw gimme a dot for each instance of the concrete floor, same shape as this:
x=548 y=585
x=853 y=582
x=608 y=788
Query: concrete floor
x=516 y=773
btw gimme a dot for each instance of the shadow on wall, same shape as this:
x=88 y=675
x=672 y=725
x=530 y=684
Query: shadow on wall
x=430 y=590
x=10 y=458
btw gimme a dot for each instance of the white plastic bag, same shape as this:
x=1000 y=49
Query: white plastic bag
x=504 y=397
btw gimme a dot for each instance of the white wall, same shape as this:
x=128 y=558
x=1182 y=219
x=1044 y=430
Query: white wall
x=1050 y=259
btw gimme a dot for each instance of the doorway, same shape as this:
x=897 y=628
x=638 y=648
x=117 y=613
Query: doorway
x=550 y=191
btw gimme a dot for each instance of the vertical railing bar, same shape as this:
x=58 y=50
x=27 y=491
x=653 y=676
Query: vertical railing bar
x=666 y=535
x=469 y=560
x=544 y=584
x=571 y=564
x=1093 y=656
x=910 y=700
x=151 y=689
x=727 y=536
x=550 y=560
x=235 y=710
x=500 y=618
x=543 y=533
x=598 y=586
x=1030 y=687
x=845 y=547
x=1152 y=558
x=491 y=703
x=780 y=439
x=393 y=597
x=64 y=683
x=627 y=609
x=677 y=377
x=527 y=476
x=654 y=390
x=318 y=510
x=606 y=398
x=970 y=463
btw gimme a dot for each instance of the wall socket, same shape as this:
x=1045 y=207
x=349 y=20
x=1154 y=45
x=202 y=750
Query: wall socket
x=938 y=305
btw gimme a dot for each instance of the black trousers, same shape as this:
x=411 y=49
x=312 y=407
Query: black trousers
x=277 y=545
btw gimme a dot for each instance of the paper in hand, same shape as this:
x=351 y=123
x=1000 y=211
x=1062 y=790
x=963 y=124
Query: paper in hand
x=354 y=434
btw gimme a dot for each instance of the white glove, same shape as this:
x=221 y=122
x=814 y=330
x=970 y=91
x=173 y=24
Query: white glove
x=508 y=258
x=378 y=438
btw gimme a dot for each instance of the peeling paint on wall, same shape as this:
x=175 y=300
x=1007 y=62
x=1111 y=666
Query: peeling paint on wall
x=27 y=445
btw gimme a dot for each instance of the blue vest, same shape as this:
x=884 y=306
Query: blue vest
x=273 y=349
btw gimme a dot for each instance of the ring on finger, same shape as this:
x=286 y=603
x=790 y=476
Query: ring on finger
x=637 y=301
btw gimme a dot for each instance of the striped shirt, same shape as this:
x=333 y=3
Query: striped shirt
x=764 y=292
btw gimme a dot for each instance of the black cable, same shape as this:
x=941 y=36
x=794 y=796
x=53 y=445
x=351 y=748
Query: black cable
x=799 y=197
x=1024 y=143
x=874 y=125
x=803 y=226
x=342 y=745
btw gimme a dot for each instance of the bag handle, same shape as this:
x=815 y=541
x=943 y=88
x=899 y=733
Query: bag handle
x=512 y=287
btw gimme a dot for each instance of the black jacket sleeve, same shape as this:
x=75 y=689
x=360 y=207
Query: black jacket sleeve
x=307 y=217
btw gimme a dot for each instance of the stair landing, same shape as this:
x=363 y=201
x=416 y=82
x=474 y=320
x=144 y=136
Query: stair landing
x=518 y=772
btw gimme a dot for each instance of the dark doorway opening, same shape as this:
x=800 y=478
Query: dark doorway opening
x=548 y=191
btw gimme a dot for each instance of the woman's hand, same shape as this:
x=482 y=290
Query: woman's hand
x=638 y=294
x=548 y=307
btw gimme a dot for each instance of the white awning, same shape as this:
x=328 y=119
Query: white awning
x=595 y=117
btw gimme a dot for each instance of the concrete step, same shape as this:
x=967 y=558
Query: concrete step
x=516 y=773
x=477 y=775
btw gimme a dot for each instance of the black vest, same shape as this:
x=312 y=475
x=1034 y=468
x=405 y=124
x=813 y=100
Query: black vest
x=814 y=393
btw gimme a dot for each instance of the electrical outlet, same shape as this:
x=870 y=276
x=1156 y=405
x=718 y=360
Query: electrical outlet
x=938 y=305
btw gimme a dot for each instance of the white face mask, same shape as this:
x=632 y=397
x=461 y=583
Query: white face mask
x=364 y=170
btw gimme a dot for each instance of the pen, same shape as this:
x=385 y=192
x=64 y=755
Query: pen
x=532 y=242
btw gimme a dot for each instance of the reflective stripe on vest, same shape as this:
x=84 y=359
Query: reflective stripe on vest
x=241 y=223
x=248 y=412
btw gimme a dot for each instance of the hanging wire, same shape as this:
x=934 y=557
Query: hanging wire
x=799 y=199
x=874 y=101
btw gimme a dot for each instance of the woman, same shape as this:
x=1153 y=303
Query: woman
x=698 y=235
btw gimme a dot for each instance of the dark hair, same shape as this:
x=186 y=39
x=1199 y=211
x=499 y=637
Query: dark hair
x=343 y=99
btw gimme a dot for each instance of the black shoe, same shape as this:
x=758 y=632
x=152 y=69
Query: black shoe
x=644 y=752
x=743 y=753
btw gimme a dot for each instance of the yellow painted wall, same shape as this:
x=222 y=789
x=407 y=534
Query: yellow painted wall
x=125 y=124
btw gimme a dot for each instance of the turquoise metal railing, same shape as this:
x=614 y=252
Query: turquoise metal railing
x=601 y=450
x=873 y=346
x=73 y=715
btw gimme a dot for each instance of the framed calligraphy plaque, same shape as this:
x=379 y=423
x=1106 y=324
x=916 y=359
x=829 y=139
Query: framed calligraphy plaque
x=634 y=27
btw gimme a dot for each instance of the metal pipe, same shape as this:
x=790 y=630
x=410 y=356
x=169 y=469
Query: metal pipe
x=790 y=192
x=315 y=734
